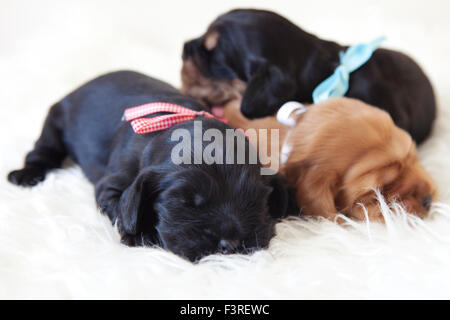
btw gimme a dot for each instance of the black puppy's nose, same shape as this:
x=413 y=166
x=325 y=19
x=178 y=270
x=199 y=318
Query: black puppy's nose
x=228 y=246
x=189 y=48
x=426 y=202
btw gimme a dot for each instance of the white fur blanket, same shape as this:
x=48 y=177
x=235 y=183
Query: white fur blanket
x=55 y=244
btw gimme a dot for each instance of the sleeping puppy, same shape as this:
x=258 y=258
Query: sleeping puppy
x=189 y=209
x=339 y=151
x=265 y=59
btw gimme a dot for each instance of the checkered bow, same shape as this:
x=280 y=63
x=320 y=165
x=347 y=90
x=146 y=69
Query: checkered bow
x=147 y=125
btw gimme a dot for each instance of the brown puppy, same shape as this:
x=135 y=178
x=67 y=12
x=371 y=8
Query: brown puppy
x=339 y=151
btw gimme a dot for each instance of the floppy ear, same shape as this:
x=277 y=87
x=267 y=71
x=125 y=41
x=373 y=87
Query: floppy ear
x=136 y=204
x=267 y=89
x=282 y=202
x=316 y=192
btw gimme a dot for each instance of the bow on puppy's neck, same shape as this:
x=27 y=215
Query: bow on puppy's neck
x=178 y=114
x=337 y=84
x=352 y=59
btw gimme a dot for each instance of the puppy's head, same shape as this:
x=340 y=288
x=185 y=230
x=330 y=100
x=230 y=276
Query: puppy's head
x=352 y=149
x=206 y=73
x=251 y=55
x=392 y=167
x=220 y=66
x=193 y=213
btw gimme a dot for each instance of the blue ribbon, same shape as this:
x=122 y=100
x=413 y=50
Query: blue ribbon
x=353 y=58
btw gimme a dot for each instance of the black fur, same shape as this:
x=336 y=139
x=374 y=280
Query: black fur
x=281 y=62
x=191 y=210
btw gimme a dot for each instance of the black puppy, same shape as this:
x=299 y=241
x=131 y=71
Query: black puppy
x=190 y=209
x=265 y=59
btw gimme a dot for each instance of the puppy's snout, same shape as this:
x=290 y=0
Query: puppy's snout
x=228 y=246
x=189 y=48
x=426 y=202
x=185 y=53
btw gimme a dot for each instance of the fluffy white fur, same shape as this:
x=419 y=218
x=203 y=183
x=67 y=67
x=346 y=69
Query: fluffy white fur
x=55 y=244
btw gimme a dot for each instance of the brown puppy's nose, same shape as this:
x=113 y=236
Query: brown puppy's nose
x=228 y=246
x=426 y=202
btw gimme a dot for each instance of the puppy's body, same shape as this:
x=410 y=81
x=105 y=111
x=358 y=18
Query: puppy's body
x=339 y=151
x=277 y=62
x=190 y=209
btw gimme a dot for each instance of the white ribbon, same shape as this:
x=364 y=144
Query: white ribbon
x=286 y=110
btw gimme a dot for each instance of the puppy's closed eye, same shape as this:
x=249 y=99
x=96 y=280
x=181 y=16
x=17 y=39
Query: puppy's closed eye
x=192 y=189
x=199 y=200
x=194 y=200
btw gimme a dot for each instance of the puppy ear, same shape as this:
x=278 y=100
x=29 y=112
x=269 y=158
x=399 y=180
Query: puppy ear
x=316 y=192
x=282 y=202
x=137 y=199
x=267 y=89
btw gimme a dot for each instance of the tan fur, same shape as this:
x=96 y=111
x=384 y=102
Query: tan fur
x=341 y=149
x=209 y=91
x=211 y=40
x=236 y=119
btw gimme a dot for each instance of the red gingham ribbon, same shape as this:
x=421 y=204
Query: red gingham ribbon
x=146 y=125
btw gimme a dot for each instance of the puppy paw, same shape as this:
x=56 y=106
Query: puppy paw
x=130 y=240
x=27 y=177
x=139 y=240
x=108 y=208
